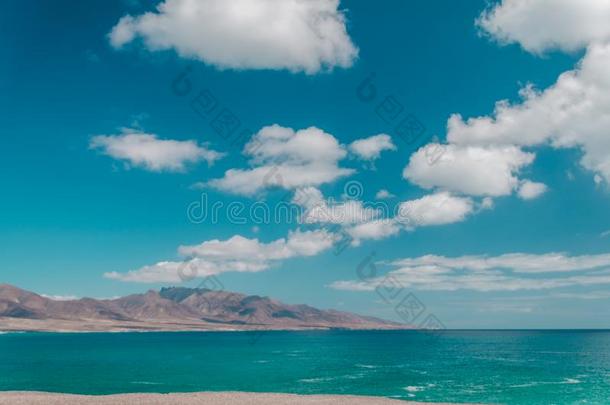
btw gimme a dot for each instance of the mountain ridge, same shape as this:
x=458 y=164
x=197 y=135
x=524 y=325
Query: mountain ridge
x=171 y=309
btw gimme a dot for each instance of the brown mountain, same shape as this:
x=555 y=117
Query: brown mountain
x=174 y=308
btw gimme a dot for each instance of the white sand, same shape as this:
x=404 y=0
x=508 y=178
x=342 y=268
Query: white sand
x=215 y=398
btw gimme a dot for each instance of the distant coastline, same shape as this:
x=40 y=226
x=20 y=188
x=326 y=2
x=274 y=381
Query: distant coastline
x=196 y=398
x=17 y=325
x=172 y=309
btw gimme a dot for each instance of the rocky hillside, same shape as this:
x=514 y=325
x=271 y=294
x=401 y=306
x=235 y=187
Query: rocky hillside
x=175 y=308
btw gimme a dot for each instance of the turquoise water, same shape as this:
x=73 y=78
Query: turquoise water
x=516 y=367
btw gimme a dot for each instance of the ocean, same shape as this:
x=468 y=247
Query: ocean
x=509 y=367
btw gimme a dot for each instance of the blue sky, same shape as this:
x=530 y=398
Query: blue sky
x=101 y=158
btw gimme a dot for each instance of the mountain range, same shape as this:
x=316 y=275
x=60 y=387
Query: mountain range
x=170 y=309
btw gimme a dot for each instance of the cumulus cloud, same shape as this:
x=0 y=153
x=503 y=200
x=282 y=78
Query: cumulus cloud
x=376 y=229
x=383 y=194
x=508 y=272
x=354 y=218
x=60 y=297
x=377 y=221
x=298 y=35
x=149 y=152
x=370 y=148
x=285 y=158
x=237 y=254
x=320 y=210
x=485 y=155
x=277 y=144
x=359 y=220
x=487 y=203
x=240 y=248
x=472 y=170
x=543 y=25
x=574 y=112
x=435 y=209
x=517 y=262
x=529 y=190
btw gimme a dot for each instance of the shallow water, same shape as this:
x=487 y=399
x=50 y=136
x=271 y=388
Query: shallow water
x=516 y=367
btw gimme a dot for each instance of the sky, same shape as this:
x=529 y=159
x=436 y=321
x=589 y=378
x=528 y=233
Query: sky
x=440 y=160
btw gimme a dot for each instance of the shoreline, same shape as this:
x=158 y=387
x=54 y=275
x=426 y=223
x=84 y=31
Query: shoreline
x=211 y=398
x=16 y=325
x=161 y=329
x=86 y=331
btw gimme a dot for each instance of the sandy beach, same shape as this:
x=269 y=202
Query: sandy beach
x=212 y=398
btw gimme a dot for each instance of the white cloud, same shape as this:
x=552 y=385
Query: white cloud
x=375 y=229
x=319 y=210
x=384 y=194
x=485 y=155
x=60 y=297
x=123 y=32
x=473 y=170
x=574 y=112
x=435 y=209
x=308 y=198
x=370 y=148
x=237 y=254
x=287 y=176
x=283 y=157
x=517 y=262
x=298 y=243
x=374 y=220
x=529 y=190
x=165 y=272
x=487 y=203
x=590 y=295
x=296 y=35
x=514 y=307
x=355 y=218
x=359 y=220
x=509 y=272
x=277 y=144
x=151 y=153
x=541 y=25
